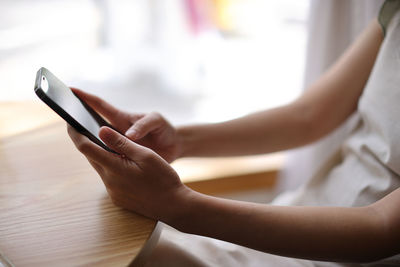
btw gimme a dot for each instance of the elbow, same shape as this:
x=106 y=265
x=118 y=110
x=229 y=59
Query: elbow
x=384 y=236
x=390 y=233
x=382 y=251
x=319 y=118
x=310 y=119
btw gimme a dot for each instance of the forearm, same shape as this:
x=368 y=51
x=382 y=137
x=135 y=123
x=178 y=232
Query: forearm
x=323 y=107
x=318 y=233
x=263 y=132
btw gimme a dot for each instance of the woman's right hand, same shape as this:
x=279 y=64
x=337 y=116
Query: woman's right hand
x=151 y=130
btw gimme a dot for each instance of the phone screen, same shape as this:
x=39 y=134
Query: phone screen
x=64 y=102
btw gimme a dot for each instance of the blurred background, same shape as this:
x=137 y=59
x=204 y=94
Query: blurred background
x=191 y=60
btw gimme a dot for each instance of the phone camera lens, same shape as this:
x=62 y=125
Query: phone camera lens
x=44 y=84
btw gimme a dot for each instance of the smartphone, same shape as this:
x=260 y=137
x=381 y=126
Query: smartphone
x=69 y=106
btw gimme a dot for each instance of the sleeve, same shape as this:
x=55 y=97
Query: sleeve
x=388 y=10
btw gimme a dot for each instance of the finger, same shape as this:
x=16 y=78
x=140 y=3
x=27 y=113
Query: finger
x=91 y=150
x=133 y=118
x=98 y=104
x=122 y=144
x=145 y=125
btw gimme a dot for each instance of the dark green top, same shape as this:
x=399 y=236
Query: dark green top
x=388 y=10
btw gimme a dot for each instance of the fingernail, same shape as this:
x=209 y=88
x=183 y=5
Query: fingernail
x=131 y=133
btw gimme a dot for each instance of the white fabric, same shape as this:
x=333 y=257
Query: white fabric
x=332 y=26
x=176 y=249
x=366 y=168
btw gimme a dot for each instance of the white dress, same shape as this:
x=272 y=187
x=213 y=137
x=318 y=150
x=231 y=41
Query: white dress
x=365 y=169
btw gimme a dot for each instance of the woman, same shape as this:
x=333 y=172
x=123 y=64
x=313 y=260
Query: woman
x=347 y=212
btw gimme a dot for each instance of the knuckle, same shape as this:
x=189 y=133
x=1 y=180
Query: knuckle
x=83 y=147
x=121 y=143
x=139 y=125
x=72 y=134
x=156 y=116
x=148 y=155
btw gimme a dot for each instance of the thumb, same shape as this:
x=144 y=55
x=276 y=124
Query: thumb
x=120 y=143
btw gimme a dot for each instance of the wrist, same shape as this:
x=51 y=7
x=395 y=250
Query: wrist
x=180 y=214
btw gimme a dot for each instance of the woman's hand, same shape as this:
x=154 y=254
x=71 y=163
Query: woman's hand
x=138 y=179
x=150 y=130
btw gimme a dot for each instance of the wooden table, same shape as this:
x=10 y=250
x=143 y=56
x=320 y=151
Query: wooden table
x=213 y=176
x=54 y=209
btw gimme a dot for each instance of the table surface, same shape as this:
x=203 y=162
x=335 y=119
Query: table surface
x=54 y=209
x=23 y=116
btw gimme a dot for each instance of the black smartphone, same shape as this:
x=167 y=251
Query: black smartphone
x=69 y=106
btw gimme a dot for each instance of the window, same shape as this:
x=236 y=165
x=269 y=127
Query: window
x=191 y=60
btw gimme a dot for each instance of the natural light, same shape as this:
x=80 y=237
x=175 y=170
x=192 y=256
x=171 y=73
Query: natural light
x=191 y=60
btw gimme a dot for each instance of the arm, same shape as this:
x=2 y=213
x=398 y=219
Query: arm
x=323 y=107
x=361 y=234
x=320 y=233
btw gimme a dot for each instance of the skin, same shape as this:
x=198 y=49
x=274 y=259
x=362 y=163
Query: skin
x=149 y=143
